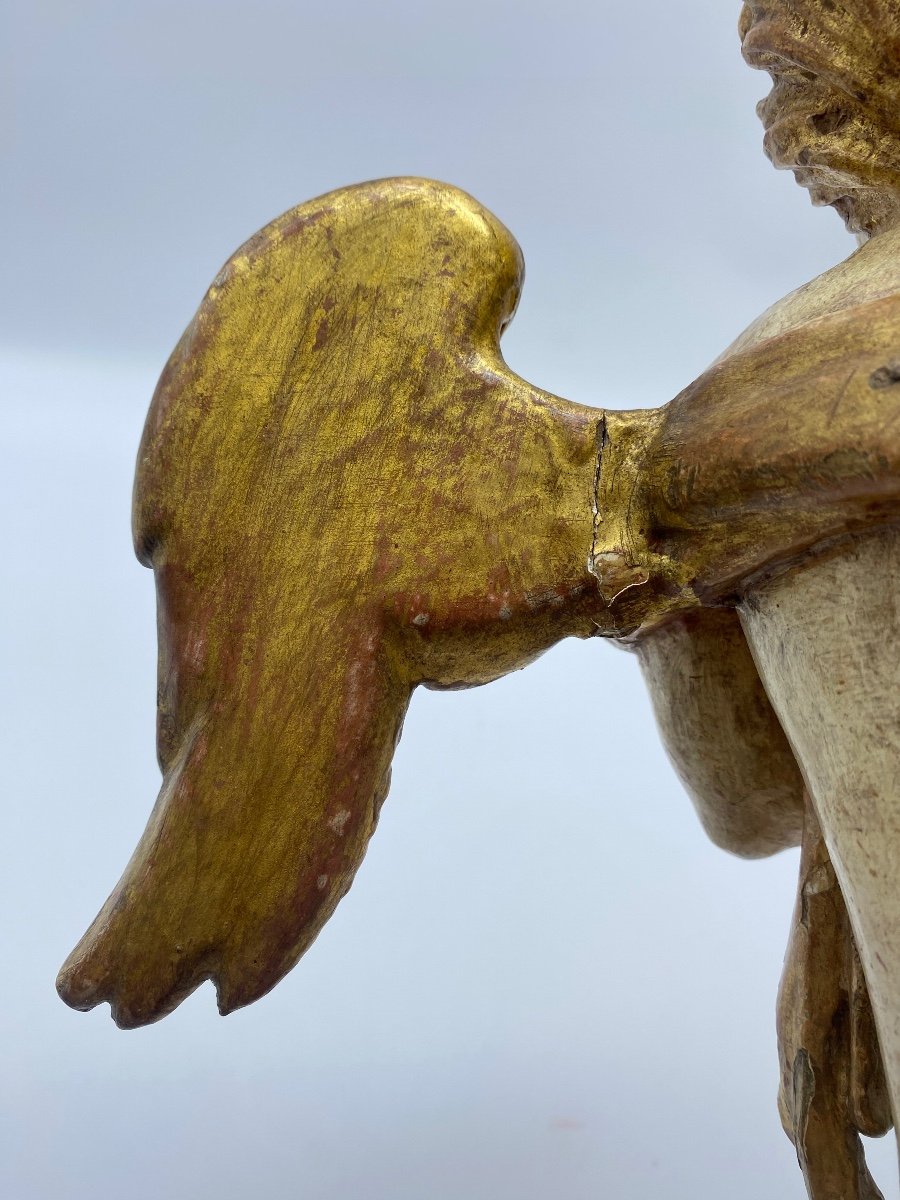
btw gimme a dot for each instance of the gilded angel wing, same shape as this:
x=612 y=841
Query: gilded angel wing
x=343 y=492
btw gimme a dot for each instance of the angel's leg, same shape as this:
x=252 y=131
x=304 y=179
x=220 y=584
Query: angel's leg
x=832 y=1081
x=826 y=642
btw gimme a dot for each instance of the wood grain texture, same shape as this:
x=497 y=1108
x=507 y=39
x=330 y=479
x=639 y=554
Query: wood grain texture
x=831 y=118
x=721 y=733
x=783 y=446
x=832 y=115
x=343 y=492
x=833 y=1086
x=824 y=639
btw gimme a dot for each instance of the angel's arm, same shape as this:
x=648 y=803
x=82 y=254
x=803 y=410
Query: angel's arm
x=721 y=733
x=770 y=456
x=782 y=446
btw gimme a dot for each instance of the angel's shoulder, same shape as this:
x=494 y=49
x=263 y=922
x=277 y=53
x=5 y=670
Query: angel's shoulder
x=871 y=273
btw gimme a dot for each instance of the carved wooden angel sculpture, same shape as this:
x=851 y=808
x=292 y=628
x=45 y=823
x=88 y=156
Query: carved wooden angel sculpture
x=345 y=493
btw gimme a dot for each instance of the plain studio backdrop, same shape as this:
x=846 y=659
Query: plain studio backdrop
x=544 y=982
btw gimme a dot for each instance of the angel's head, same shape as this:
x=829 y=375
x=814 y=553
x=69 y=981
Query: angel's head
x=833 y=114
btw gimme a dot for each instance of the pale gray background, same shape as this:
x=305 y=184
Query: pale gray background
x=544 y=983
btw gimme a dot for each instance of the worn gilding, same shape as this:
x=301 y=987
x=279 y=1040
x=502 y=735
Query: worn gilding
x=344 y=492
